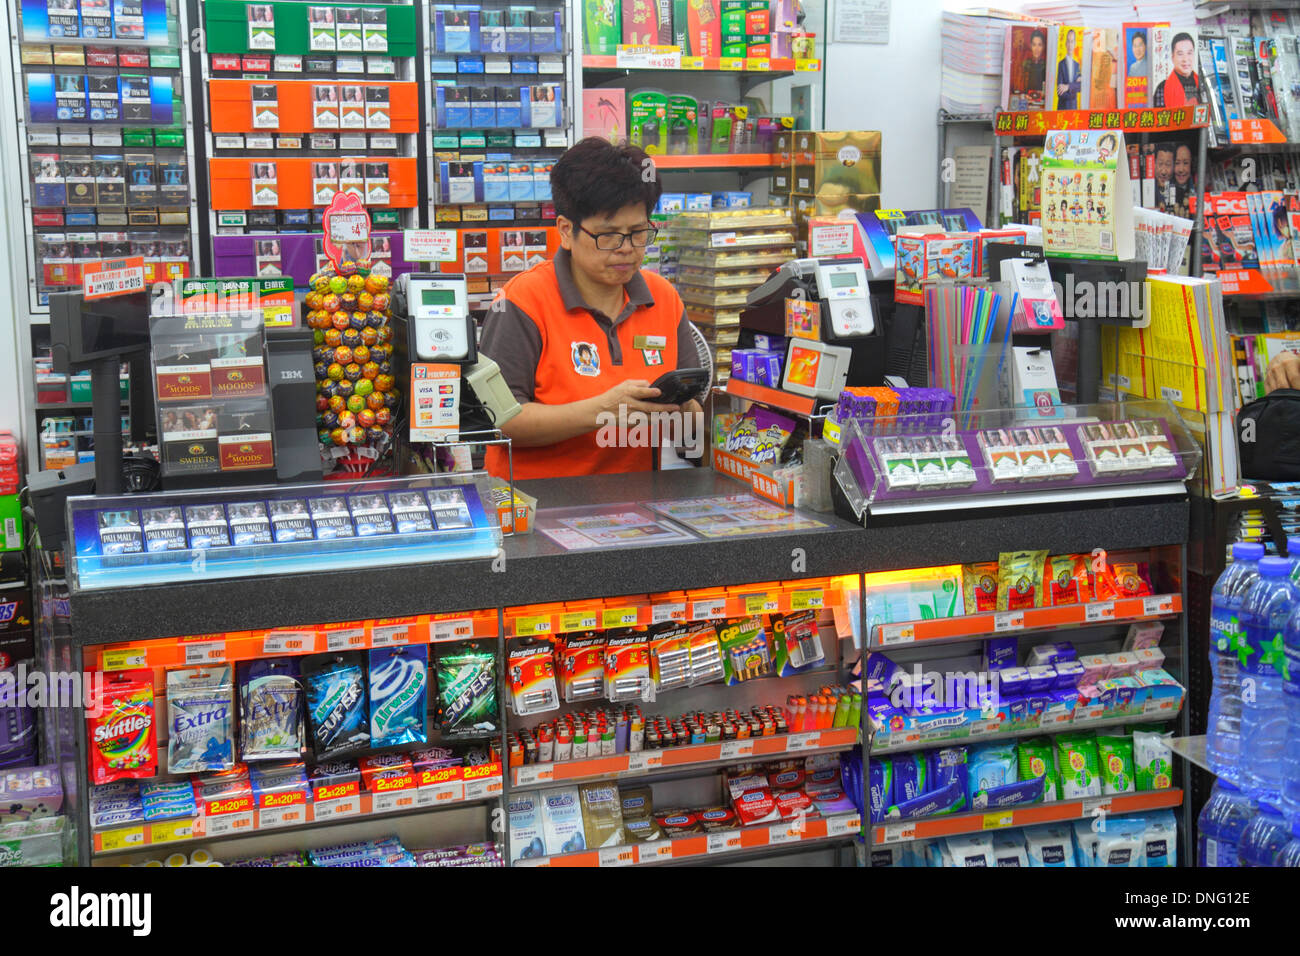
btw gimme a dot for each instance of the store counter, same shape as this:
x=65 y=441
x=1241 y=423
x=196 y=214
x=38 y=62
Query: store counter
x=533 y=568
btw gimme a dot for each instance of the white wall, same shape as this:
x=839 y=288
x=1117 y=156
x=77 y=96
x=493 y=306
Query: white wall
x=894 y=89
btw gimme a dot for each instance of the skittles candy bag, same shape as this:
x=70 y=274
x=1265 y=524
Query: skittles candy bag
x=123 y=738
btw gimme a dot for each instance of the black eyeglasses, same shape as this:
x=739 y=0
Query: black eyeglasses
x=613 y=241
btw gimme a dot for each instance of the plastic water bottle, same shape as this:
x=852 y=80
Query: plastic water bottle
x=1220 y=825
x=1267 y=607
x=1264 y=837
x=1290 y=855
x=1223 y=726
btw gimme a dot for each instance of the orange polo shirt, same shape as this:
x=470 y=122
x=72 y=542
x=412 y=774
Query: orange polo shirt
x=554 y=348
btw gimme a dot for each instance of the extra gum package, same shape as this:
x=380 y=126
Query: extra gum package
x=201 y=710
x=123 y=738
x=531 y=676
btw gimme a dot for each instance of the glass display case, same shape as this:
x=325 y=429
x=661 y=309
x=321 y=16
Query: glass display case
x=1014 y=456
x=254 y=531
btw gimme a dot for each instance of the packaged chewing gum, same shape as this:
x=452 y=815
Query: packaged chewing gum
x=270 y=709
x=201 y=714
x=399 y=682
x=467 y=689
x=337 y=704
x=123 y=738
x=530 y=675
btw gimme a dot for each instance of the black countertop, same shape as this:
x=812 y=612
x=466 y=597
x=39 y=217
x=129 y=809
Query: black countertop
x=534 y=569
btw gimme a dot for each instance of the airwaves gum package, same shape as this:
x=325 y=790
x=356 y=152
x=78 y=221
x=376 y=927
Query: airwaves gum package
x=399 y=683
x=531 y=676
x=201 y=710
x=123 y=738
x=336 y=704
x=270 y=709
x=467 y=690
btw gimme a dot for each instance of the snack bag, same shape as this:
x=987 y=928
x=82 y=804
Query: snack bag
x=980 y=587
x=1066 y=580
x=201 y=710
x=1132 y=579
x=1020 y=580
x=399 y=688
x=123 y=738
x=1116 y=755
x=467 y=690
x=760 y=436
x=337 y=708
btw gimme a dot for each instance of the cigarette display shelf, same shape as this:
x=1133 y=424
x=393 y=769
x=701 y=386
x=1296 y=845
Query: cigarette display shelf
x=908 y=742
x=233 y=646
x=949 y=630
x=717 y=847
x=684 y=759
x=927 y=828
x=465 y=787
x=704 y=604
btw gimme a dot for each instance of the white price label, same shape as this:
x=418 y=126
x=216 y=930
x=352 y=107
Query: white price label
x=424 y=797
x=660 y=850
x=984 y=727
x=390 y=634
x=458 y=629
x=707 y=610
x=281 y=817
x=722 y=239
x=731 y=749
x=289 y=642
x=809 y=741
x=533 y=773
x=724 y=841
x=899 y=832
x=229 y=823
x=648 y=57
x=617 y=856
x=1008 y=620
x=347 y=807
x=644 y=760
x=1085 y=714
x=346 y=640
x=478 y=789
x=445 y=793
x=850 y=824
x=1100 y=611
x=429 y=245
x=781 y=833
x=1154 y=705
x=1092 y=804
x=205 y=652
x=1159 y=604
x=394 y=801
x=897 y=634
x=662 y=613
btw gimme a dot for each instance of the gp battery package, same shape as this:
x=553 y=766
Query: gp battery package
x=648 y=120
x=270 y=709
x=602 y=814
x=530 y=675
x=581 y=660
x=745 y=651
x=337 y=704
x=123 y=737
x=467 y=690
x=627 y=668
x=797 y=641
x=201 y=716
x=399 y=682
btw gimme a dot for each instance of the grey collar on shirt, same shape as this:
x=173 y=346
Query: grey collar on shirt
x=638 y=293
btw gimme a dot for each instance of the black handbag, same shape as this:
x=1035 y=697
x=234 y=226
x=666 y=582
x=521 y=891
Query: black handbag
x=1268 y=437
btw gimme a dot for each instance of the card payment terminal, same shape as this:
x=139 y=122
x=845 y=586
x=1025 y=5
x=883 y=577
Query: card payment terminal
x=440 y=327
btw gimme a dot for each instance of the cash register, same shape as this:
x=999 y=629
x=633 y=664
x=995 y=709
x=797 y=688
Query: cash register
x=846 y=349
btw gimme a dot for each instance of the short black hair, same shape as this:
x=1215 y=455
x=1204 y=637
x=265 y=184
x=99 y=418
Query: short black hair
x=1179 y=38
x=595 y=176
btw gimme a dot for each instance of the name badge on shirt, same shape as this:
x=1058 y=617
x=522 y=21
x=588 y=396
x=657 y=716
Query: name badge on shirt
x=656 y=342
